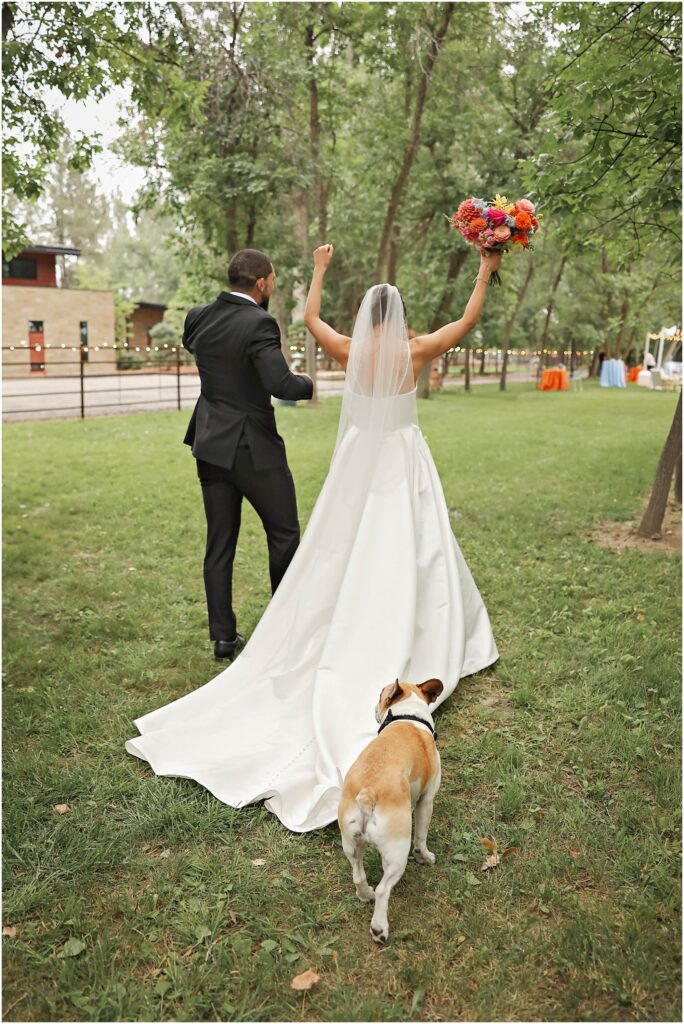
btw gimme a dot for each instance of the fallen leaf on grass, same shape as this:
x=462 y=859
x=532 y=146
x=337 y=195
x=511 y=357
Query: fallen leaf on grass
x=73 y=947
x=495 y=858
x=233 y=916
x=165 y=854
x=490 y=701
x=574 y=853
x=304 y=981
x=10 y=930
x=259 y=862
x=61 y=808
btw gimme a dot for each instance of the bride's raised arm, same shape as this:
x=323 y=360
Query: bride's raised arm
x=332 y=343
x=427 y=347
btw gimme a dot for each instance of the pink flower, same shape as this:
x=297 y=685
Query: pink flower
x=525 y=205
x=502 y=233
x=490 y=239
x=496 y=217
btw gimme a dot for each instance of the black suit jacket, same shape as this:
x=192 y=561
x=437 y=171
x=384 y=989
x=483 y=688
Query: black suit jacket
x=236 y=345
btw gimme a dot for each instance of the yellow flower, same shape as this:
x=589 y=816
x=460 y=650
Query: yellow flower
x=509 y=208
x=499 y=202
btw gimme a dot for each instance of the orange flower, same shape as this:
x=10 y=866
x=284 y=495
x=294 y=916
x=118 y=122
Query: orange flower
x=520 y=237
x=523 y=221
x=478 y=224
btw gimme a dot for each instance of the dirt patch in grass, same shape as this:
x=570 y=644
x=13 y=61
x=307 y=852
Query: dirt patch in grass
x=623 y=536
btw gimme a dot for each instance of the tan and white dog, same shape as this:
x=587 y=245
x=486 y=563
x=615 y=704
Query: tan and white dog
x=397 y=771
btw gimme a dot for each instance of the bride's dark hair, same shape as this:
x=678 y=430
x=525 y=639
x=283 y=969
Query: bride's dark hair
x=380 y=300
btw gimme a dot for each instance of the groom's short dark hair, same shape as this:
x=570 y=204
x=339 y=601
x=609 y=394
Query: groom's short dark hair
x=247 y=266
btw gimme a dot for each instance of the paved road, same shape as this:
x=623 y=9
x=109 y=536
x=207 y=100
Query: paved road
x=46 y=398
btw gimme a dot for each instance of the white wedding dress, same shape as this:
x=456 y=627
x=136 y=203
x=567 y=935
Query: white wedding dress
x=377 y=590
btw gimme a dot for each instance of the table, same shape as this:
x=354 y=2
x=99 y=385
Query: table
x=554 y=380
x=633 y=375
x=613 y=373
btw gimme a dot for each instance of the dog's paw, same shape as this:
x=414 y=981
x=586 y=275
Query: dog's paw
x=424 y=857
x=379 y=935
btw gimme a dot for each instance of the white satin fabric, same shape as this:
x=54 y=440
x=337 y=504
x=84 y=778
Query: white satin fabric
x=377 y=590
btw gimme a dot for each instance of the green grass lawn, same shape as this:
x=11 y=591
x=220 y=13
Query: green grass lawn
x=142 y=902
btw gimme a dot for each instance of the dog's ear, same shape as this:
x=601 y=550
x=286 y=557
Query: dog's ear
x=431 y=689
x=391 y=693
x=395 y=693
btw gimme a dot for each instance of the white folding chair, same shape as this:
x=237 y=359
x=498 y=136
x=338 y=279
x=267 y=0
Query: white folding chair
x=576 y=378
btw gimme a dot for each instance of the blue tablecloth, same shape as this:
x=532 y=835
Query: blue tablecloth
x=613 y=373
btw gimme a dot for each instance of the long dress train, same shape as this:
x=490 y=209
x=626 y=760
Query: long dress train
x=378 y=589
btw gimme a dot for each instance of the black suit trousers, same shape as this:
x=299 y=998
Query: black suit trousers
x=271 y=493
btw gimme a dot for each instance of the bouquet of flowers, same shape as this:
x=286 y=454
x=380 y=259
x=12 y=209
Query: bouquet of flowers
x=494 y=225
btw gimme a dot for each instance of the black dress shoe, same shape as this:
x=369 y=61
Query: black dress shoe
x=228 y=648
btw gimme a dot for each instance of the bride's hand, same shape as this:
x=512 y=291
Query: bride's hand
x=322 y=256
x=489 y=259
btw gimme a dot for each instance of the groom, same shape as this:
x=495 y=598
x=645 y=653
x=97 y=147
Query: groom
x=239 y=453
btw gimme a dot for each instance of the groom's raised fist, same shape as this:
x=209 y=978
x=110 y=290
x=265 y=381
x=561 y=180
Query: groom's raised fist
x=322 y=255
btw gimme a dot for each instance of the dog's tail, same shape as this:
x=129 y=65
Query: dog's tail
x=365 y=801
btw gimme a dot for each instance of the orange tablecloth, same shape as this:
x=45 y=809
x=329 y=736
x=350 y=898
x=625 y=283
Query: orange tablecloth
x=554 y=380
x=633 y=374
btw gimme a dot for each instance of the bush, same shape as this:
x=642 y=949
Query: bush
x=128 y=361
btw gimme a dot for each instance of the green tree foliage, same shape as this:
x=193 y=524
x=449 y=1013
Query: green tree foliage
x=280 y=125
x=612 y=158
x=71 y=51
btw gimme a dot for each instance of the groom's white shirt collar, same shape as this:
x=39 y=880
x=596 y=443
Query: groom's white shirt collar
x=243 y=295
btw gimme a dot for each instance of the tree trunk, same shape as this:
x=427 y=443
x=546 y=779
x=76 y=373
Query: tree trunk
x=607 y=300
x=301 y=223
x=511 y=320
x=428 y=64
x=466 y=368
x=251 y=225
x=456 y=261
x=231 y=229
x=671 y=454
x=393 y=262
x=320 y=186
x=623 y=323
x=593 y=366
x=483 y=359
x=678 y=481
x=550 y=303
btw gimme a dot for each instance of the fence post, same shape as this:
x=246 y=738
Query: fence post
x=178 y=387
x=82 y=383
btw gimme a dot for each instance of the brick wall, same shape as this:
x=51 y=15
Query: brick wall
x=61 y=311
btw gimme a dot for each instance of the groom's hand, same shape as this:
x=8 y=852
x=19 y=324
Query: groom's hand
x=322 y=256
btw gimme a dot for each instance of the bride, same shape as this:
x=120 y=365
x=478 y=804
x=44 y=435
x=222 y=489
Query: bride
x=378 y=590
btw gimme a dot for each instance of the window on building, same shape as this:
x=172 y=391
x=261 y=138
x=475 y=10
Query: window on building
x=26 y=270
x=35 y=327
x=83 y=337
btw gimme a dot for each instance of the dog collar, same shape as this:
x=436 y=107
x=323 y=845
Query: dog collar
x=390 y=717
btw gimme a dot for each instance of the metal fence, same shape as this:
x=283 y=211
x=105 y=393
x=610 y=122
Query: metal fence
x=74 y=387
